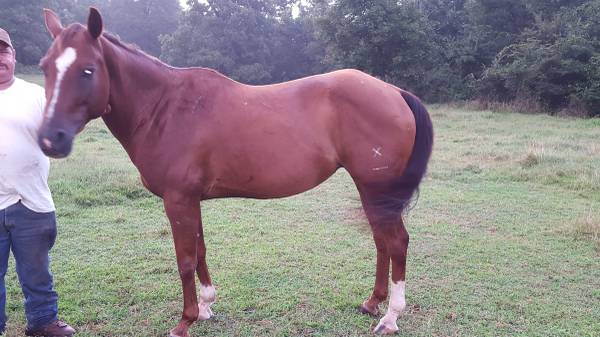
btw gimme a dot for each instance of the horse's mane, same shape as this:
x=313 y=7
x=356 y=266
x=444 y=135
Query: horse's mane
x=132 y=49
x=137 y=52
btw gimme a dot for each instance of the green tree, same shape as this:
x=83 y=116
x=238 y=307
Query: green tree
x=452 y=74
x=25 y=23
x=296 y=51
x=250 y=40
x=388 y=39
x=136 y=21
x=554 y=64
x=491 y=26
x=547 y=9
x=142 y=22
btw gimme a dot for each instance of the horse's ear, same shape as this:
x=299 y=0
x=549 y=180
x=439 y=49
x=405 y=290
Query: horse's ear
x=52 y=23
x=95 y=23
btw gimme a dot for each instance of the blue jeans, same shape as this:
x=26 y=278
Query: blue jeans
x=30 y=236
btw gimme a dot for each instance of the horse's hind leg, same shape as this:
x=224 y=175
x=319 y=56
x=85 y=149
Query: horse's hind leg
x=396 y=242
x=391 y=241
x=380 y=290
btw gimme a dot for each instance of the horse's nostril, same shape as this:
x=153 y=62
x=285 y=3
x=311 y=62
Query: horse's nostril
x=60 y=135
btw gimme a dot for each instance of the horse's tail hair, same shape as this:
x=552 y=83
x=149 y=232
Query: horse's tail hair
x=400 y=192
x=415 y=170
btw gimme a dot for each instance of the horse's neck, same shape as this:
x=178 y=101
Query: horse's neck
x=136 y=86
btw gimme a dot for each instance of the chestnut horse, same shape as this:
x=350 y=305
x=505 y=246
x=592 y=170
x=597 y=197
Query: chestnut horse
x=195 y=134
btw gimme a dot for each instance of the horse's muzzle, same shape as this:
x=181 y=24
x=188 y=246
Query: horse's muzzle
x=55 y=143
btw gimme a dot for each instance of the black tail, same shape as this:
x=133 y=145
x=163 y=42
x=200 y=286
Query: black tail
x=399 y=193
x=409 y=182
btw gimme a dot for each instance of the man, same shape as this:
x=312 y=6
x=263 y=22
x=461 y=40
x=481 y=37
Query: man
x=27 y=218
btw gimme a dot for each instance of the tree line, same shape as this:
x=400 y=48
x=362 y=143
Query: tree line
x=533 y=55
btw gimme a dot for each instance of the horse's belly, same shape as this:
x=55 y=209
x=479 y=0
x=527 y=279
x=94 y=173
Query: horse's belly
x=271 y=179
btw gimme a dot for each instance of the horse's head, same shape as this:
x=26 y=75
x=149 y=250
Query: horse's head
x=77 y=82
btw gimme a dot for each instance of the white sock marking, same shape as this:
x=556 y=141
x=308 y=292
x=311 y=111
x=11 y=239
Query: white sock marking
x=207 y=297
x=207 y=293
x=397 y=298
x=63 y=62
x=387 y=324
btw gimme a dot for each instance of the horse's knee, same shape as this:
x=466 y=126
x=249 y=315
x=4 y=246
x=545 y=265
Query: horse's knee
x=187 y=268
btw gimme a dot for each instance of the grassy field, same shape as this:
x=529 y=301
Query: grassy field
x=505 y=241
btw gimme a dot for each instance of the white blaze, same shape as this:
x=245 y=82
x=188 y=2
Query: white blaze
x=63 y=62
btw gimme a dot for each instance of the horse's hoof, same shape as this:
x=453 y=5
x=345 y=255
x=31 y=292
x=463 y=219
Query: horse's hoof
x=204 y=312
x=385 y=328
x=173 y=334
x=367 y=309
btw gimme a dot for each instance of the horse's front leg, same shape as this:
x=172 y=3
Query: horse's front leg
x=183 y=212
x=207 y=291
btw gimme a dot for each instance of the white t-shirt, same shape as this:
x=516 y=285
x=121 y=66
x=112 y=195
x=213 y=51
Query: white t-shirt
x=23 y=166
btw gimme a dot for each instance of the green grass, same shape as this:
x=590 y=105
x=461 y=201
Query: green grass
x=504 y=242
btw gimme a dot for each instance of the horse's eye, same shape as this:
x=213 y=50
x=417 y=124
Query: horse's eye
x=88 y=72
